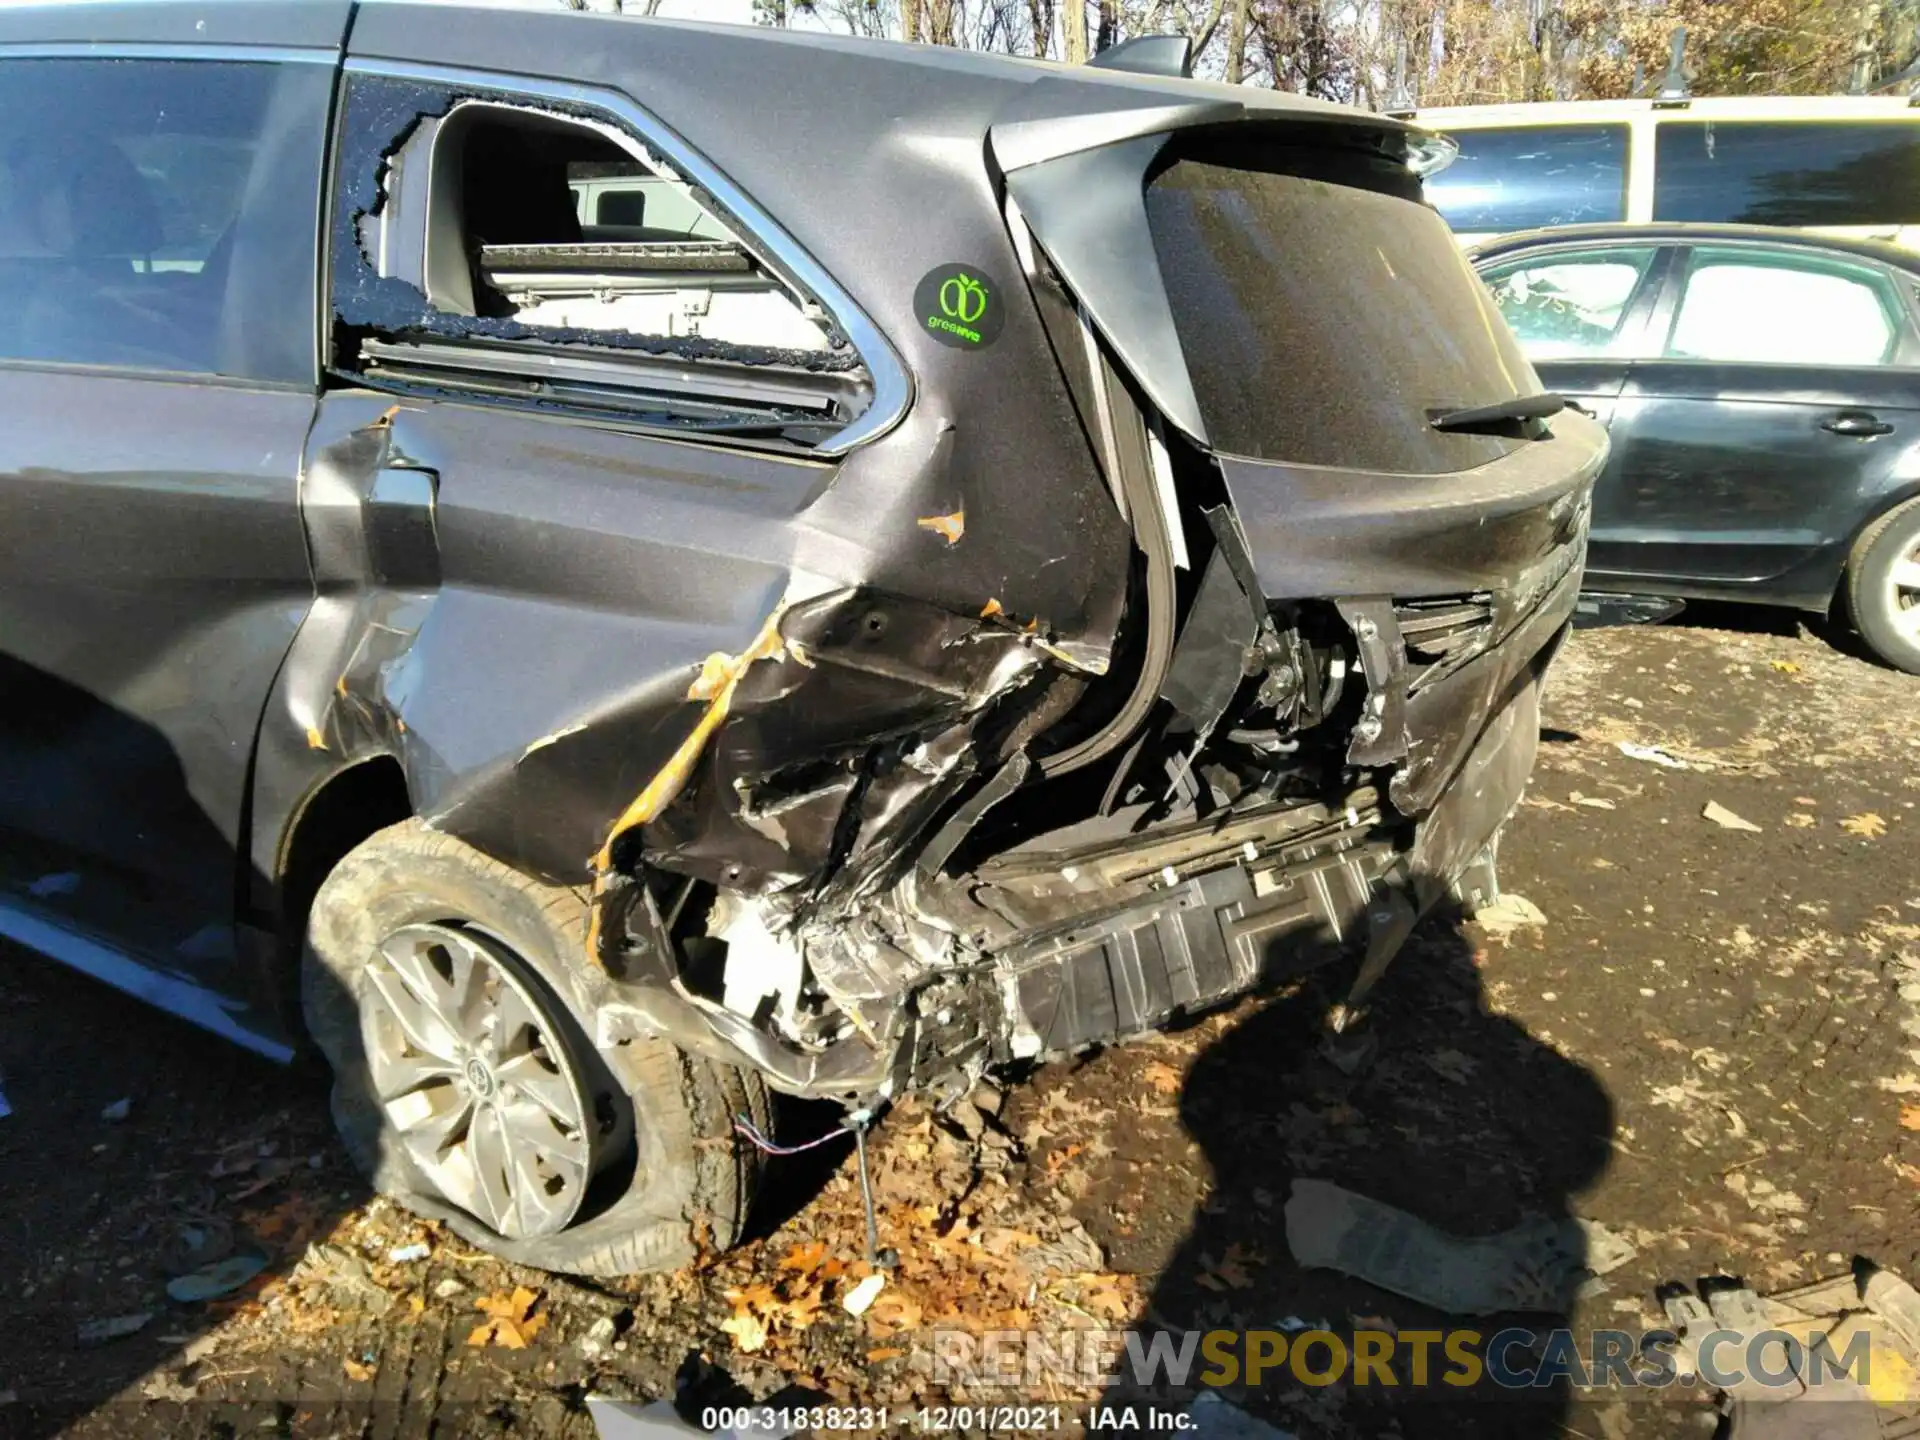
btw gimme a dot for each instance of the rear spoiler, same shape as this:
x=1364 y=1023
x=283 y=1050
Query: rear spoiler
x=1149 y=55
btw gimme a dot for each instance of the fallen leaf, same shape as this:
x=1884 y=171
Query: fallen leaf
x=1110 y=1296
x=1511 y=912
x=801 y=1310
x=806 y=1257
x=1910 y=1117
x=894 y=1312
x=356 y=1371
x=1057 y=1160
x=1785 y=667
x=885 y=1352
x=267 y=1173
x=1592 y=802
x=1227 y=1273
x=511 y=1322
x=1800 y=820
x=1726 y=819
x=1163 y=1077
x=748 y=1330
x=1451 y=1065
x=1868 y=826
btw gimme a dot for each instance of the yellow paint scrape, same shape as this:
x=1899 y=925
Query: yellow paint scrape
x=948 y=527
x=719 y=676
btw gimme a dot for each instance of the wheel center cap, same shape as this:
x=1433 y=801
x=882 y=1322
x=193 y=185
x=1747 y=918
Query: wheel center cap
x=480 y=1078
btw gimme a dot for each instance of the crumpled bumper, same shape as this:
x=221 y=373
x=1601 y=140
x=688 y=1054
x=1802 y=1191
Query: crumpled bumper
x=1321 y=882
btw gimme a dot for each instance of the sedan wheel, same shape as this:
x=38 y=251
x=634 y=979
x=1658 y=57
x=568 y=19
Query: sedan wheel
x=1883 y=586
x=475 y=1078
x=1903 y=598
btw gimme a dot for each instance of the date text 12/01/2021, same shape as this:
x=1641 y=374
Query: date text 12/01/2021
x=940 y=1419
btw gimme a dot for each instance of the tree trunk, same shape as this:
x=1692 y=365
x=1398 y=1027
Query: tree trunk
x=1865 y=44
x=1203 y=37
x=1237 y=43
x=1042 y=13
x=910 y=19
x=940 y=22
x=1073 y=25
x=1109 y=27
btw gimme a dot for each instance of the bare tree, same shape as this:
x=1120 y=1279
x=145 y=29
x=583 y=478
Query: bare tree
x=1445 y=51
x=876 y=19
x=1040 y=13
x=1074 y=31
x=1237 y=43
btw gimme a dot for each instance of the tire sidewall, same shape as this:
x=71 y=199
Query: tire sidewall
x=408 y=875
x=1890 y=542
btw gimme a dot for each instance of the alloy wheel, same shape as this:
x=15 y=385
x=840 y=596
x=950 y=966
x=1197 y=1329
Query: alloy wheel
x=1903 y=595
x=471 y=1066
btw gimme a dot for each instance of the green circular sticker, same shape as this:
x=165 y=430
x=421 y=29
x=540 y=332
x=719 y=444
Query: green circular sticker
x=960 y=305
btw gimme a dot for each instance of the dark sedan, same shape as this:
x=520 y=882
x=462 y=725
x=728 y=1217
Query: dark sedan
x=1762 y=388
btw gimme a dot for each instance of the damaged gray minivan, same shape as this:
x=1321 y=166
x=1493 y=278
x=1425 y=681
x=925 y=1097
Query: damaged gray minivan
x=605 y=568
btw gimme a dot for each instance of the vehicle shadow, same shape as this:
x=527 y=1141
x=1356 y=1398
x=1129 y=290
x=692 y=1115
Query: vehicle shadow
x=1832 y=629
x=138 y=1148
x=96 y=1215
x=1434 y=1103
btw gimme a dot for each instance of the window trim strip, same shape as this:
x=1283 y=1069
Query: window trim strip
x=136 y=50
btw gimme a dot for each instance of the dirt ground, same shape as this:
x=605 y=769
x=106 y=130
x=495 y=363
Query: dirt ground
x=1707 y=1047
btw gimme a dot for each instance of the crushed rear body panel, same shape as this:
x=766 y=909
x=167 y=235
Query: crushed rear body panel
x=1073 y=621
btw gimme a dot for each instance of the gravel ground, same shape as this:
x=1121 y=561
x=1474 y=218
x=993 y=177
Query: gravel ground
x=1706 y=1047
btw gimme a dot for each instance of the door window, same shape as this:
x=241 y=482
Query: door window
x=160 y=214
x=1756 y=309
x=1788 y=172
x=493 y=249
x=1562 y=306
x=1528 y=177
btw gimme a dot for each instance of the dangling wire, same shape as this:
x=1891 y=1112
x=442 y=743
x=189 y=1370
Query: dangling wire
x=766 y=1146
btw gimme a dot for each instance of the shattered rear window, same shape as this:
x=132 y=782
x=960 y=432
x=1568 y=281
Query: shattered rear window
x=1325 y=311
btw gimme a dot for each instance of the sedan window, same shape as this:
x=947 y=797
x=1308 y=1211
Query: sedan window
x=1757 y=309
x=1568 y=305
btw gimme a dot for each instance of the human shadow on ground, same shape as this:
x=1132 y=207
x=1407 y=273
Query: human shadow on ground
x=1435 y=1103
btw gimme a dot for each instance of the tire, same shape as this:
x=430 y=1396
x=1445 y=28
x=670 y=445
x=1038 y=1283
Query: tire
x=677 y=1177
x=1887 y=614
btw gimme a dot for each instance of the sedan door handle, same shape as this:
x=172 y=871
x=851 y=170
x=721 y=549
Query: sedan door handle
x=1579 y=409
x=1858 y=423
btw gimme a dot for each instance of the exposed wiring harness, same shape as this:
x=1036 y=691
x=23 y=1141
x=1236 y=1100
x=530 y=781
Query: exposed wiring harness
x=859 y=1120
x=767 y=1147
